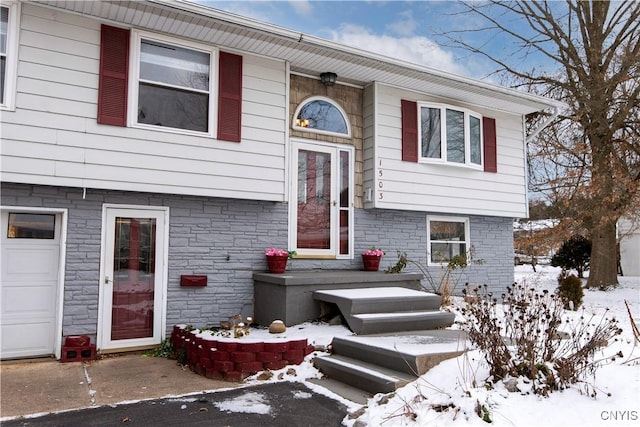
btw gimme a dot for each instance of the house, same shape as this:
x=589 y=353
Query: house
x=629 y=243
x=152 y=145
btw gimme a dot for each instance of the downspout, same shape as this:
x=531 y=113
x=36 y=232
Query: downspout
x=525 y=150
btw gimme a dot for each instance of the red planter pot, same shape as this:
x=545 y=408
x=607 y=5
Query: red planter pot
x=371 y=262
x=277 y=263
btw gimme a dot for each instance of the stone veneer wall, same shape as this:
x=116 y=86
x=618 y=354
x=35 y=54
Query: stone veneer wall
x=225 y=239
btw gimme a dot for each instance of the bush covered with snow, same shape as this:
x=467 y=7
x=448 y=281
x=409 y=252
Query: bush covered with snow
x=521 y=334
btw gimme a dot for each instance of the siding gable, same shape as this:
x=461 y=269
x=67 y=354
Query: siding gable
x=114 y=70
x=230 y=97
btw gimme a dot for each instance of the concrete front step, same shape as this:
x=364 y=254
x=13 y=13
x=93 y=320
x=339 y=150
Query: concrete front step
x=347 y=391
x=387 y=309
x=383 y=363
x=379 y=300
x=362 y=375
x=288 y=296
x=412 y=352
x=377 y=323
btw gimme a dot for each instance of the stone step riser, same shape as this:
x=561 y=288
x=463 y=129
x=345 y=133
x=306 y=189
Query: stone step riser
x=389 y=305
x=378 y=325
x=362 y=380
x=377 y=356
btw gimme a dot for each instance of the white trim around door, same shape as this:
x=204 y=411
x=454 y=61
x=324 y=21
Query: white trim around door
x=321 y=200
x=62 y=215
x=133 y=276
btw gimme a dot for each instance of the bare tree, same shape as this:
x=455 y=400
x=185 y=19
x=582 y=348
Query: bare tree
x=588 y=160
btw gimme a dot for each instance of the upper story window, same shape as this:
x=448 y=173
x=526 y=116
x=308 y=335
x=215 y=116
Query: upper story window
x=322 y=115
x=449 y=134
x=160 y=83
x=173 y=84
x=8 y=58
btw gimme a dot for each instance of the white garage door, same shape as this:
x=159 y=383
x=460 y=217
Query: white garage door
x=29 y=281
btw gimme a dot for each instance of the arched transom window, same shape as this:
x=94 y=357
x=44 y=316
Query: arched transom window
x=322 y=115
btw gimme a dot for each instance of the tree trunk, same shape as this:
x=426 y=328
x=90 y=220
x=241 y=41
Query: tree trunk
x=603 y=271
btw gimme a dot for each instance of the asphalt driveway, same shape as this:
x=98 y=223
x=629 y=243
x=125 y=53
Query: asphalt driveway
x=285 y=404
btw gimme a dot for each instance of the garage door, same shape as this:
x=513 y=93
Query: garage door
x=30 y=262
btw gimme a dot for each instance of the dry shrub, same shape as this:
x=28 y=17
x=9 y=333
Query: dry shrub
x=519 y=336
x=570 y=291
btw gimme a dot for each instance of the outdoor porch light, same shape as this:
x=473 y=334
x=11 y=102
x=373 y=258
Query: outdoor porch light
x=328 y=79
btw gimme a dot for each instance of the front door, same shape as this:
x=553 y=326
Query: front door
x=133 y=282
x=322 y=218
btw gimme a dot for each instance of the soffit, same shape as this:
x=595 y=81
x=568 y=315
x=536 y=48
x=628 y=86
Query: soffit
x=305 y=53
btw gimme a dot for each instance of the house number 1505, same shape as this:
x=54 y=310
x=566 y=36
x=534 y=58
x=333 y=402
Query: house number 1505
x=380 y=183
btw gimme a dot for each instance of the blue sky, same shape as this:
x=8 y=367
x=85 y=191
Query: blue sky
x=407 y=30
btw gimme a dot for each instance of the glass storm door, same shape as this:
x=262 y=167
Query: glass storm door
x=323 y=217
x=133 y=278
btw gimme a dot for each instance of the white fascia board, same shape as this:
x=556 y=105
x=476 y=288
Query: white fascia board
x=277 y=31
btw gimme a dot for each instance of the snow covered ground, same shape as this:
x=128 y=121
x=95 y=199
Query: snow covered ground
x=446 y=395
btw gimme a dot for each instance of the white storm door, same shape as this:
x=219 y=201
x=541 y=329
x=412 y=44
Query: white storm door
x=133 y=288
x=321 y=220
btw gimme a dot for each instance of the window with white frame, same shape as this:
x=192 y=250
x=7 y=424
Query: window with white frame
x=446 y=238
x=173 y=85
x=449 y=135
x=8 y=47
x=322 y=115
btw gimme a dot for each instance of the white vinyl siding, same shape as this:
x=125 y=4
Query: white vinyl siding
x=441 y=187
x=8 y=53
x=53 y=137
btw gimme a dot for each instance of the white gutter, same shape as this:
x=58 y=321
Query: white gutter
x=536 y=131
x=190 y=6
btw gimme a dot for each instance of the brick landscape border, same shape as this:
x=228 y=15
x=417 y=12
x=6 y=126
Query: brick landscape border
x=232 y=359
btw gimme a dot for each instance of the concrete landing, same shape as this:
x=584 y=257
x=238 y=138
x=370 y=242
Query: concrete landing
x=288 y=296
x=383 y=363
x=387 y=309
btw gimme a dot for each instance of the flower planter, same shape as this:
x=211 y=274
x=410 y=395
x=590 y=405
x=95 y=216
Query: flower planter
x=371 y=262
x=277 y=263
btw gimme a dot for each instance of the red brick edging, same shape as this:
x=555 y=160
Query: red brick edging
x=235 y=359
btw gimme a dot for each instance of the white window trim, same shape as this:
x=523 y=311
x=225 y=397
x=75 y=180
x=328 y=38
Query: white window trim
x=11 y=70
x=443 y=136
x=134 y=79
x=319 y=131
x=431 y=218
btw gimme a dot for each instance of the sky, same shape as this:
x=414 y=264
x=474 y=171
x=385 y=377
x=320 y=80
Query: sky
x=408 y=30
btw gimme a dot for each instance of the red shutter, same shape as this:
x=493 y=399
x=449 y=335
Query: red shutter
x=114 y=71
x=409 y=131
x=490 y=151
x=229 y=97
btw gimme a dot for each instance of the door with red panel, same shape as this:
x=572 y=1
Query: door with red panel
x=133 y=284
x=322 y=218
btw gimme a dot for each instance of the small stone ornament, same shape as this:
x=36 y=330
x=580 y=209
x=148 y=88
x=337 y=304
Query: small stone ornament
x=277 y=327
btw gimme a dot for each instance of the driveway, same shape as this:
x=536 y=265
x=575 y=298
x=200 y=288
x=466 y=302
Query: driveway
x=285 y=404
x=50 y=393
